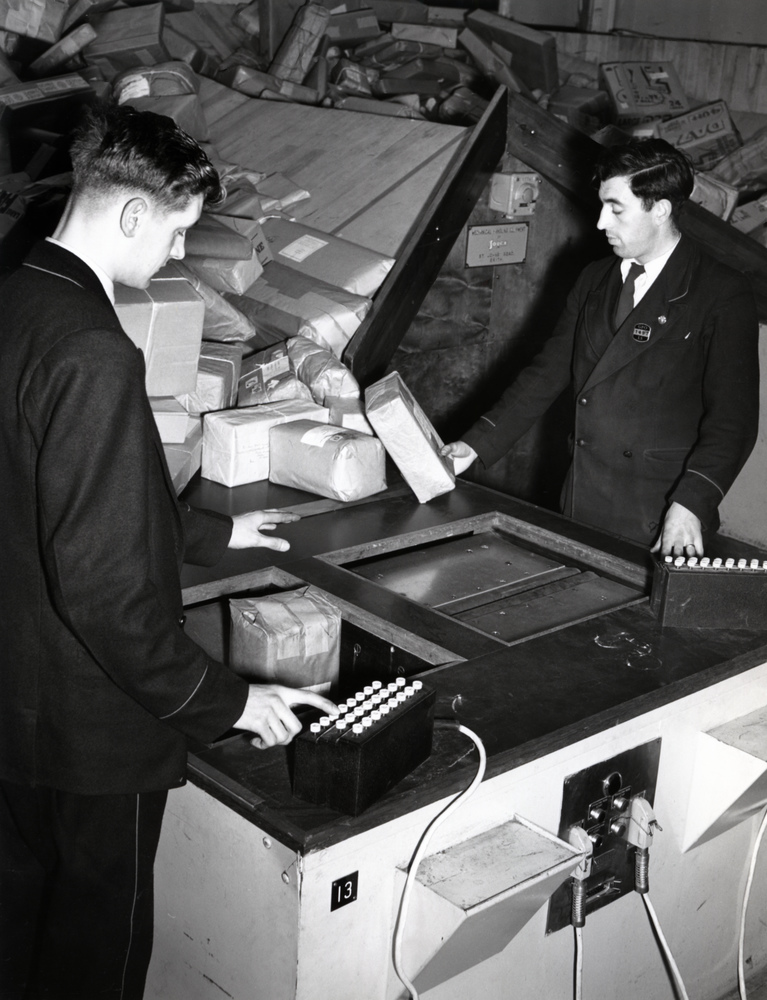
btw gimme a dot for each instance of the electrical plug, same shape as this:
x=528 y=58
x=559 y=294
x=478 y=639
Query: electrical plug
x=640 y=833
x=579 y=839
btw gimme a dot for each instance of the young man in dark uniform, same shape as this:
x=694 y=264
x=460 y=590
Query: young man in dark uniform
x=99 y=685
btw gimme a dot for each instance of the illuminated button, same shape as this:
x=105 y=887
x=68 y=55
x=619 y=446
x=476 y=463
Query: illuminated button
x=741 y=564
x=375 y=715
x=417 y=685
x=669 y=559
x=341 y=723
x=401 y=697
x=367 y=722
x=391 y=687
x=315 y=727
x=754 y=564
x=729 y=563
x=367 y=691
x=392 y=703
x=357 y=727
x=705 y=562
x=325 y=720
x=376 y=685
x=717 y=563
x=679 y=561
x=400 y=682
x=692 y=561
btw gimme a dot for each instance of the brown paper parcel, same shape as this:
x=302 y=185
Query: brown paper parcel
x=292 y=638
x=334 y=462
x=409 y=437
x=236 y=442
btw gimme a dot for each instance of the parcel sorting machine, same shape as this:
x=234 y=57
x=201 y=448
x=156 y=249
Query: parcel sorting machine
x=537 y=636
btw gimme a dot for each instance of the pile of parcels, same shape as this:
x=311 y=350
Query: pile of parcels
x=244 y=339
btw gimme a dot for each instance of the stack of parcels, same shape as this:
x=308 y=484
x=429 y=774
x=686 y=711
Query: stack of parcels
x=408 y=436
x=295 y=369
x=334 y=462
x=293 y=638
x=236 y=442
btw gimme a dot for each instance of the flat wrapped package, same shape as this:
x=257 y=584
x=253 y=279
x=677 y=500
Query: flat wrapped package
x=266 y=377
x=347 y=411
x=234 y=276
x=334 y=462
x=320 y=370
x=210 y=237
x=408 y=436
x=293 y=638
x=128 y=37
x=174 y=77
x=185 y=110
x=165 y=320
x=284 y=303
x=222 y=322
x=236 y=442
x=174 y=422
x=327 y=257
x=218 y=372
x=184 y=459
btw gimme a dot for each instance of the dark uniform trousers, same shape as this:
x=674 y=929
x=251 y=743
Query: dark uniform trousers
x=77 y=871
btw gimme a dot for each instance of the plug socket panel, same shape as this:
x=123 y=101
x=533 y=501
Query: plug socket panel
x=598 y=798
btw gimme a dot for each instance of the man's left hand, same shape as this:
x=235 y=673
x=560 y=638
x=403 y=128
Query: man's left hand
x=247 y=528
x=681 y=534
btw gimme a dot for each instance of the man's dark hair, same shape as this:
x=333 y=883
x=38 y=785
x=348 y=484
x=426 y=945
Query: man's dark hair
x=118 y=147
x=655 y=170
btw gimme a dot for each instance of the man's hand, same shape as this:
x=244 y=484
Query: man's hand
x=247 y=528
x=680 y=534
x=268 y=714
x=461 y=455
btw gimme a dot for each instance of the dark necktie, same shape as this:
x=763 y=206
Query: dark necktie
x=626 y=297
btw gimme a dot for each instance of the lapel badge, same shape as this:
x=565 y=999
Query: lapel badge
x=642 y=333
x=661 y=320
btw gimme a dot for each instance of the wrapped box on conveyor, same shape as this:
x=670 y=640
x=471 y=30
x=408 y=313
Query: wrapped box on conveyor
x=409 y=437
x=236 y=442
x=218 y=372
x=292 y=638
x=335 y=462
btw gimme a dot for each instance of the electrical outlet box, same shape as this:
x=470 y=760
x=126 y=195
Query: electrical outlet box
x=514 y=194
x=598 y=799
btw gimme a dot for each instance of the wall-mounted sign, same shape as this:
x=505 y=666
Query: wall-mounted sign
x=488 y=246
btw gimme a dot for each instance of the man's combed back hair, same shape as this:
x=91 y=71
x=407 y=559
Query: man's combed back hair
x=119 y=148
x=655 y=169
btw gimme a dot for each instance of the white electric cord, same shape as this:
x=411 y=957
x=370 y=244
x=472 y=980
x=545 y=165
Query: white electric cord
x=420 y=851
x=578 y=963
x=744 y=909
x=664 y=945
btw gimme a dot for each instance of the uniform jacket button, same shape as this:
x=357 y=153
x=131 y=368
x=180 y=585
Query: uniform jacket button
x=182 y=621
x=583 y=401
x=628 y=454
x=581 y=442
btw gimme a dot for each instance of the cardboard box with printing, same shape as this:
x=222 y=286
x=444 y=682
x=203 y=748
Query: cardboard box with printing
x=218 y=371
x=335 y=462
x=258 y=371
x=236 y=442
x=409 y=437
x=292 y=638
x=706 y=134
x=165 y=320
x=642 y=91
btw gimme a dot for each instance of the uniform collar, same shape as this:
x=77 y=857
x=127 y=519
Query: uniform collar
x=106 y=282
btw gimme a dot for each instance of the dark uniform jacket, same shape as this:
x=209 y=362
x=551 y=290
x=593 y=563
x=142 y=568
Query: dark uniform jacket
x=666 y=409
x=99 y=685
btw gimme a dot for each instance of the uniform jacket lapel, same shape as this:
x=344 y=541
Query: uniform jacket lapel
x=662 y=309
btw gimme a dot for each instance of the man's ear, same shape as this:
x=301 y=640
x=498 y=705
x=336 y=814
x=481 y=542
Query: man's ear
x=661 y=211
x=133 y=213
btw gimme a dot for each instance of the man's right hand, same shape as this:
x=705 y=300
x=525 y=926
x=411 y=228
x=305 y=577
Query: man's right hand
x=461 y=455
x=268 y=713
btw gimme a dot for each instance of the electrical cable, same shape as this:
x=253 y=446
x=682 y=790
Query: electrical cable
x=420 y=851
x=664 y=945
x=578 y=963
x=744 y=908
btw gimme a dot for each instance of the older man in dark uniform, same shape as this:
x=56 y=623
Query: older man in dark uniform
x=660 y=349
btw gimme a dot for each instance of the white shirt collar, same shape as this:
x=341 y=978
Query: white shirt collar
x=106 y=281
x=652 y=268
